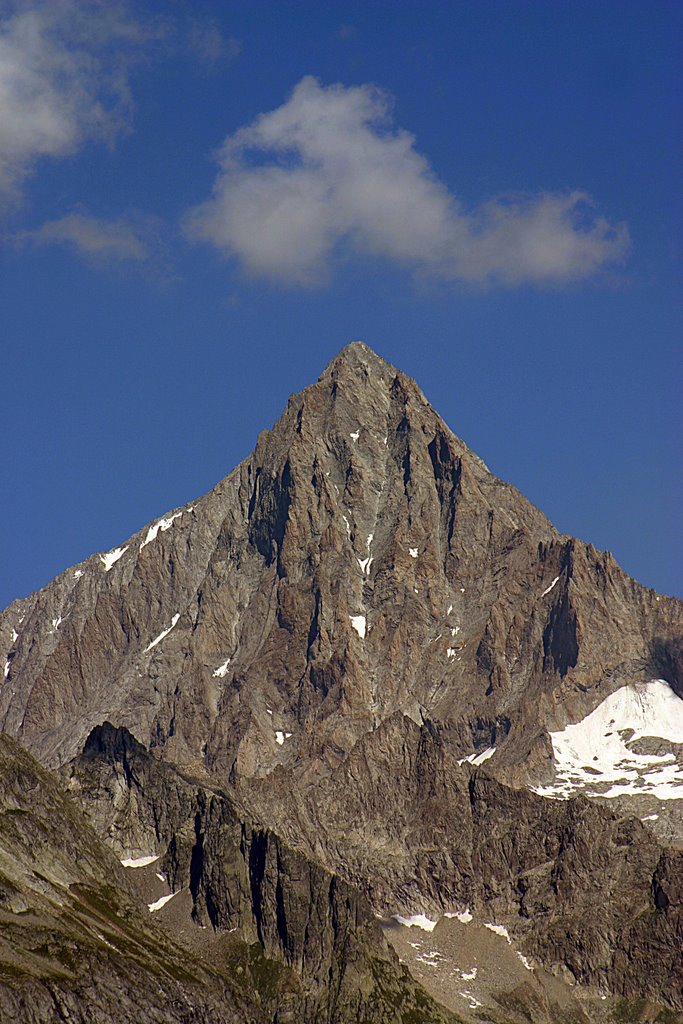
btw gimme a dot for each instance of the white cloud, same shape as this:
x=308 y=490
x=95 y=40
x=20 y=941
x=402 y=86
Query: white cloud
x=63 y=79
x=97 y=239
x=327 y=172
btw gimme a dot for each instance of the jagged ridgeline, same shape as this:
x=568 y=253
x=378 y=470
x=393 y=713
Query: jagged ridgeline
x=361 y=682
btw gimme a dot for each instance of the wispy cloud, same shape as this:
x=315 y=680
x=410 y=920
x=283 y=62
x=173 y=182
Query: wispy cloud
x=327 y=173
x=65 y=74
x=207 y=42
x=98 y=240
x=63 y=79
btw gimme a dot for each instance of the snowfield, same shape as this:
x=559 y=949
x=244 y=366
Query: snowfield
x=597 y=755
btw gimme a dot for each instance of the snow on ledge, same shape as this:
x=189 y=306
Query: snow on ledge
x=477 y=759
x=109 y=559
x=417 y=921
x=163 y=634
x=359 y=623
x=163 y=525
x=499 y=929
x=161 y=902
x=548 y=589
x=139 y=862
x=222 y=670
x=463 y=916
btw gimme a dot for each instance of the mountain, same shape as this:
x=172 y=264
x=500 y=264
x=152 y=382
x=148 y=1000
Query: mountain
x=363 y=671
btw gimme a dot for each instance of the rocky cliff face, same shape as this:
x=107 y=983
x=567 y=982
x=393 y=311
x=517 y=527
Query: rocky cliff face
x=74 y=943
x=288 y=941
x=245 y=879
x=347 y=627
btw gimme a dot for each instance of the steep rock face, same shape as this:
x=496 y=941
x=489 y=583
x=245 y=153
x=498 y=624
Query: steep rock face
x=352 y=612
x=73 y=941
x=244 y=879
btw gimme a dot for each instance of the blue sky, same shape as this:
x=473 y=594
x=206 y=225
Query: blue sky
x=201 y=203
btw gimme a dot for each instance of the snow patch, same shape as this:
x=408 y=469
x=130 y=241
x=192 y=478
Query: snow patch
x=222 y=670
x=469 y=975
x=450 y=609
x=450 y=652
x=139 y=862
x=524 y=960
x=160 y=877
x=163 y=525
x=548 y=589
x=477 y=759
x=417 y=921
x=431 y=959
x=8 y=664
x=109 y=559
x=473 y=1001
x=499 y=929
x=15 y=636
x=650 y=817
x=56 y=623
x=79 y=572
x=365 y=564
x=348 y=527
x=280 y=737
x=359 y=623
x=163 y=634
x=412 y=552
x=161 y=902
x=463 y=916
x=595 y=755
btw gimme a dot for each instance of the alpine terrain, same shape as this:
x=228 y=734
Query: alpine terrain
x=358 y=736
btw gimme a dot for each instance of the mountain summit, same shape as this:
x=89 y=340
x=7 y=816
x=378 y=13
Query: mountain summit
x=339 y=636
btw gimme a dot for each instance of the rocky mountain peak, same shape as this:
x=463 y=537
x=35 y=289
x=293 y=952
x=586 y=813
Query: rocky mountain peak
x=386 y=656
x=362 y=563
x=357 y=355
